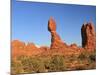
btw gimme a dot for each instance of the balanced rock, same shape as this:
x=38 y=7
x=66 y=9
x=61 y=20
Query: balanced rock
x=56 y=41
x=88 y=36
x=51 y=25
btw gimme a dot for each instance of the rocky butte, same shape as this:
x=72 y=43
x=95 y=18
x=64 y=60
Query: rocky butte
x=57 y=45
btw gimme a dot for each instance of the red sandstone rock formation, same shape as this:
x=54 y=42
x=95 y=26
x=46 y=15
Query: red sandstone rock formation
x=51 y=25
x=30 y=46
x=18 y=44
x=45 y=48
x=20 y=48
x=88 y=36
x=73 y=46
x=17 y=47
x=56 y=41
x=57 y=45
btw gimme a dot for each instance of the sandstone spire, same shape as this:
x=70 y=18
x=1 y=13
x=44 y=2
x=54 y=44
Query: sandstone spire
x=88 y=36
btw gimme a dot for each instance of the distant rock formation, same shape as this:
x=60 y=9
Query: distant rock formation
x=88 y=36
x=56 y=41
x=16 y=44
x=30 y=46
x=57 y=45
x=73 y=45
x=20 y=48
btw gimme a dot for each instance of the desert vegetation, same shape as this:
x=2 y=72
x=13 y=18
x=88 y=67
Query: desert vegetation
x=37 y=64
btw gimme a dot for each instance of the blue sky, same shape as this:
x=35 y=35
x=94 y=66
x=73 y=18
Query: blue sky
x=30 y=21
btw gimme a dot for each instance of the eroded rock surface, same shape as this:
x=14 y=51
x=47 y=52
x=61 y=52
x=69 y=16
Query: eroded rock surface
x=57 y=45
x=88 y=36
x=56 y=41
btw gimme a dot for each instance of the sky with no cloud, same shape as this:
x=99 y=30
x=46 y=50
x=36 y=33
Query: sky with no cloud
x=30 y=21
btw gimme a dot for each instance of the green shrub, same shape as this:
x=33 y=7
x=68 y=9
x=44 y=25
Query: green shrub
x=92 y=56
x=16 y=67
x=82 y=56
x=31 y=64
x=36 y=64
x=88 y=59
x=57 y=63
